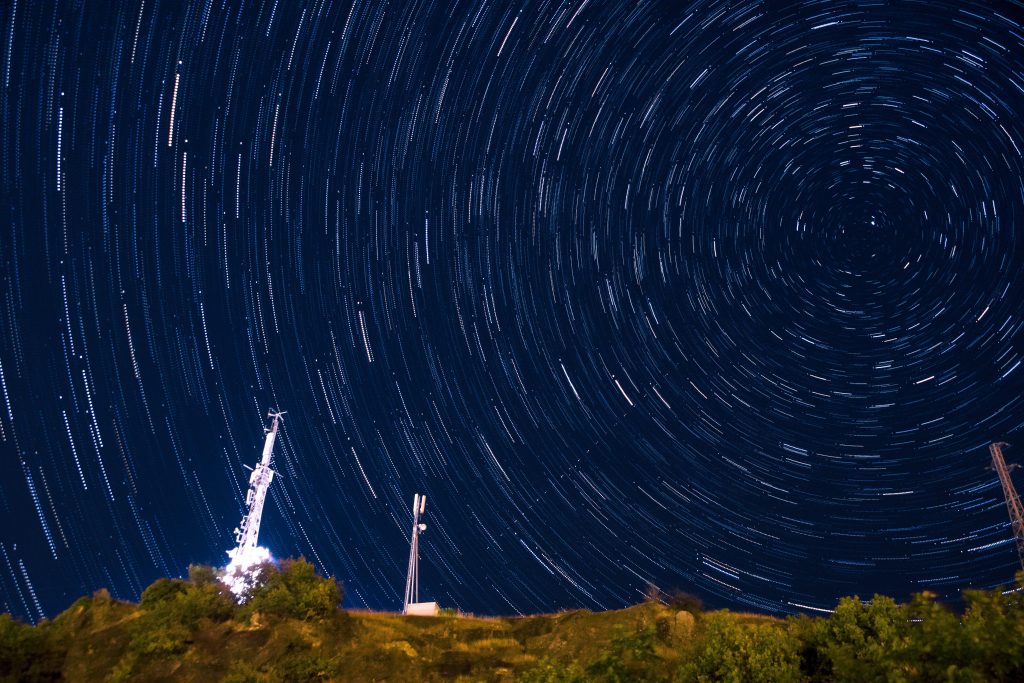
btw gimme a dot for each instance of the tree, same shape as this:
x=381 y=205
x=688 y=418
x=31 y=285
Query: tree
x=293 y=589
x=868 y=641
x=731 y=651
x=937 y=649
x=993 y=626
x=676 y=599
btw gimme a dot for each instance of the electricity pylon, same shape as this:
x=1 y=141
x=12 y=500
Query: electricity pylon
x=1013 y=504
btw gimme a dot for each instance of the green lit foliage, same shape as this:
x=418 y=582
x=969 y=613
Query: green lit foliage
x=243 y=671
x=293 y=590
x=733 y=651
x=993 y=628
x=28 y=653
x=867 y=641
x=292 y=655
x=173 y=611
x=551 y=670
x=162 y=592
x=630 y=657
x=290 y=629
x=938 y=649
x=920 y=641
x=188 y=602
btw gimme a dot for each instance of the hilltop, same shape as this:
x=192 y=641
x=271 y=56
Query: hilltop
x=291 y=630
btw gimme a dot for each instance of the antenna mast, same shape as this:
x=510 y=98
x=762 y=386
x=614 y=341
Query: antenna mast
x=1013 y=504
x=412 y=579
x=247 y=533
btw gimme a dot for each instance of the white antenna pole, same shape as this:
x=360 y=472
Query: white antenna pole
x=412 y=578
x=419 y=527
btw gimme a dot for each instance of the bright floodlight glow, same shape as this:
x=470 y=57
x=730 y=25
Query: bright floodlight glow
x=240 y=574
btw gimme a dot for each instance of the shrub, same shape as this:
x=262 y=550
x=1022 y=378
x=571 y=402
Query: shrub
x=245 y=672
x=161 y=592
x=28 y=653
x=551 y=670
x=202 y=575
x=304 y=665
x=676 y=599
x=159 y=639
x=685 y=602
x=630 y=657
x=188 y=602
x=211 y=601
x=293 y=589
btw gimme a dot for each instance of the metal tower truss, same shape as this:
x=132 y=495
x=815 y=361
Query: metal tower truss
x=1013 y=504
x=247 y=533
x=247 y=554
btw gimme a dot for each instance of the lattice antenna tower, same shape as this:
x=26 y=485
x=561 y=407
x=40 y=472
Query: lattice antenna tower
x=412 y=578
x=1013 y=504
x=248 y=532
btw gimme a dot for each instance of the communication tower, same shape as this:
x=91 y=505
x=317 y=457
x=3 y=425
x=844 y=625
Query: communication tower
x=412 y=579
x=247 y=554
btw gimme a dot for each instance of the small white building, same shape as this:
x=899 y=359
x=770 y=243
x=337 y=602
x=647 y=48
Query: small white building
x=422 y=609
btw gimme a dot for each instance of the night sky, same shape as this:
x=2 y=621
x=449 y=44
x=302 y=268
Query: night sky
x=726 y=297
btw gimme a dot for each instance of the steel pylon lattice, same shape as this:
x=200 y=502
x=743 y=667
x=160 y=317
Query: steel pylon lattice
x=1013 y=504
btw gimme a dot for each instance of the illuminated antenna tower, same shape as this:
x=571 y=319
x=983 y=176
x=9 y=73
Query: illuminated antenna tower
x=1013 y=504
x=248 y=532
x=412 y=579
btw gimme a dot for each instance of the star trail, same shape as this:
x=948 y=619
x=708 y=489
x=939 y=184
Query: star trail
x=719 y=296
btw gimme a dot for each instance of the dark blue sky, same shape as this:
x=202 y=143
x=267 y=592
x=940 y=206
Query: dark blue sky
x=722 y=296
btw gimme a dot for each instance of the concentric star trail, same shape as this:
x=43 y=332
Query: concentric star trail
x=719 y=296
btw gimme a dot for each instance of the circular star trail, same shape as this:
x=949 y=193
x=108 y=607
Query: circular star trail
x=719 y=296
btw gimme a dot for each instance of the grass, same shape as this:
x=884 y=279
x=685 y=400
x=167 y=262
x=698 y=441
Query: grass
x=108 y=640
x=290 y=630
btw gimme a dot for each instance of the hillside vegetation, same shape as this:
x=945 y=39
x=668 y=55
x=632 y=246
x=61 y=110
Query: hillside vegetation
x=291 y=630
